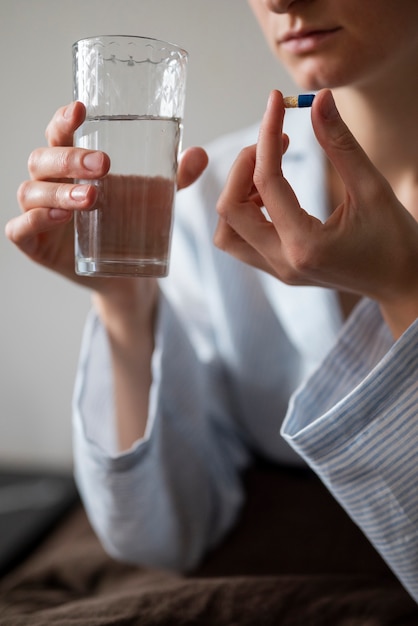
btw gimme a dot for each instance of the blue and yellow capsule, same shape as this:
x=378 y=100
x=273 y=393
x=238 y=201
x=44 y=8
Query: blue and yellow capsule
x=298 y=102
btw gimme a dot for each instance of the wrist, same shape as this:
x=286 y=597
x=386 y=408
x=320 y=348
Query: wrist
x=399 y=295
x=130 y=307
x=128 y=316
x=400 y=313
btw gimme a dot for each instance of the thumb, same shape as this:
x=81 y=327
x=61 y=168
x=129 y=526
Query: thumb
x=192 y=163
x=344 y=151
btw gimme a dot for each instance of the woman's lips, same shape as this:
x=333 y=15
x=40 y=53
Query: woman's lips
x=300 y=42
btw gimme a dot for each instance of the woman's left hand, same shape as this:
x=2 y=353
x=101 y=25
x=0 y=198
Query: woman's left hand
x=368 y=245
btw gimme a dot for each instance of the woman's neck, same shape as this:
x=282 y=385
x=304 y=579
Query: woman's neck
x=384 y=121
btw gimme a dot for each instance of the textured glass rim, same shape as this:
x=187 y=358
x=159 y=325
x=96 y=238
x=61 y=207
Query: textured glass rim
x=162 y=42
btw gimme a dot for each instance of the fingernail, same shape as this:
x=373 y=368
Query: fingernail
x=93 y=161
x=78 y=193
x=59 y=214
x=328 y=109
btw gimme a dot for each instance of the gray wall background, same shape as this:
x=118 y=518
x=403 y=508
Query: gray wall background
x=231 y=72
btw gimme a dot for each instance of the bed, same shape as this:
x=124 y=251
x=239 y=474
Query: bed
x=293 y=558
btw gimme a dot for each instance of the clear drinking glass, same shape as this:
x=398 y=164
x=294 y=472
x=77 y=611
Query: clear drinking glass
x=134 y=91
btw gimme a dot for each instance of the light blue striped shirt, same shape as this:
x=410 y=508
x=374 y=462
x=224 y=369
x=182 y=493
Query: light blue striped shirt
x=355 y=422
x=239 y=357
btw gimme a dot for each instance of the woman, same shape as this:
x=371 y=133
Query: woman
x=182 y=382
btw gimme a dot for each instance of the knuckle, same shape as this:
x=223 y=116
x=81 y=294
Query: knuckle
x=65 y=161
x=23 y=192
x=223 y=236
x=48 y=132
x=247 y=153
x=344 y=140
x=51 y=129
x=293 y=276
x=301 y=259
x=305 y=258
x=30 y=223
x=32 y=220
x=219 y=241
x=263 y=178
x=33 y=161
x=223 y=208
x=60 y=195
x=288 y=276
x=247 y=156
x=259 y=179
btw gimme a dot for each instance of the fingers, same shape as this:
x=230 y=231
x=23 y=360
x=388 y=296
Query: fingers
x=239 y=186
x=270 y=139
x=27 y=230
x=279 y=244
x=349 y=251
x=32 y=195
x=277 y=194
x=191 y=165
x=63 y=162
x=256 y=176
x=243 y=230
x=50 y=169
x=227 y=239
x=65 y=122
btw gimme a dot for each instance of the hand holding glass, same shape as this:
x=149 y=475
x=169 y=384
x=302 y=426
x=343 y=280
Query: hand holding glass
x=133 y=89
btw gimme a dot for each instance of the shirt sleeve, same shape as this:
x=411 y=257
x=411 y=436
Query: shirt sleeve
x=355 y=422
x=174 y=494
x=177 y=491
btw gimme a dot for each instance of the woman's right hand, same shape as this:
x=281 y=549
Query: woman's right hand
x=44 y=230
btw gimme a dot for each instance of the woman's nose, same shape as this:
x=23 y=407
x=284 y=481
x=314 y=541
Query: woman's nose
x=280 y=6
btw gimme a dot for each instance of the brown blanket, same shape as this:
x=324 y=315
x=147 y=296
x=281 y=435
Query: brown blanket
x=294 y=558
